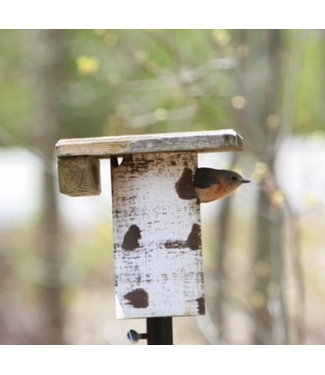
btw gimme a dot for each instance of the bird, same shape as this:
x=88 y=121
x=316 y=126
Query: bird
x=212 y=184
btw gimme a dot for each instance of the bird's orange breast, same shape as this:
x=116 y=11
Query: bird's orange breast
x=214 y=192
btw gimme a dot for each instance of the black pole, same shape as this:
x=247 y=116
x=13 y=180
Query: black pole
x=160 y=331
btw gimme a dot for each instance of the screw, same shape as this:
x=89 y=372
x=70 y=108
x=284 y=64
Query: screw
x=134 y=336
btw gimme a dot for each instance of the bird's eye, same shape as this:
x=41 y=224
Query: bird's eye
x=234 y=178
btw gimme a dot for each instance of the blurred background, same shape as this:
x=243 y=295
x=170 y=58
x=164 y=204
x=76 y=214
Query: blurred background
x=263 y=247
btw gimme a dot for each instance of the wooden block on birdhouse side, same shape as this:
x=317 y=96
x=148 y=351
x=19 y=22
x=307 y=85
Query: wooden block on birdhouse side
x=79 y=176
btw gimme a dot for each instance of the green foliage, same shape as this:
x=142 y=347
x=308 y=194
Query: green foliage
x=128 y=82
x=310 y=108
x=15 y=92
x=92 y=252
x=144 y=81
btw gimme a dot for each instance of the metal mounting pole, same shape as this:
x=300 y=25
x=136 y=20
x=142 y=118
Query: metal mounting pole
x=160 y=331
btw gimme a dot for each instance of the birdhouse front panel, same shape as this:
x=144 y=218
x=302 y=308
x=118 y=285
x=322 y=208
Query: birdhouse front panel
x=157 y=236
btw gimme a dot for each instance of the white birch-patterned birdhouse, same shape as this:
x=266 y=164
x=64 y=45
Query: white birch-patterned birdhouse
x=156 y=215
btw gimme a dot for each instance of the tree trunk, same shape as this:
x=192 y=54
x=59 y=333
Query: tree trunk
x=48 y=53
x=262 y=75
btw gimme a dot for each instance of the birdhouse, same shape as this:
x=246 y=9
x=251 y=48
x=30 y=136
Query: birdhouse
x=156 y=215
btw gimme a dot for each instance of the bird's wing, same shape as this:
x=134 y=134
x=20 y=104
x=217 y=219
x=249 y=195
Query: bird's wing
x=205 y=177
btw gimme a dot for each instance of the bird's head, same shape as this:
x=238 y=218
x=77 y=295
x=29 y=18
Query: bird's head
x=232 y=179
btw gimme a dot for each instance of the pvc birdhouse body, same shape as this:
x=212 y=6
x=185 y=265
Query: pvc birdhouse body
x=158 y=260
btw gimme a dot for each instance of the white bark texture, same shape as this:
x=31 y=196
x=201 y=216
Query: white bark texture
x=157 y=236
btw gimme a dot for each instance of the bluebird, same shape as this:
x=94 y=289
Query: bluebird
x=212 y=184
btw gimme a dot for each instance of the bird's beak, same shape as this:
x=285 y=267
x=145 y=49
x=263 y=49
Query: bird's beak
x=245 y=181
